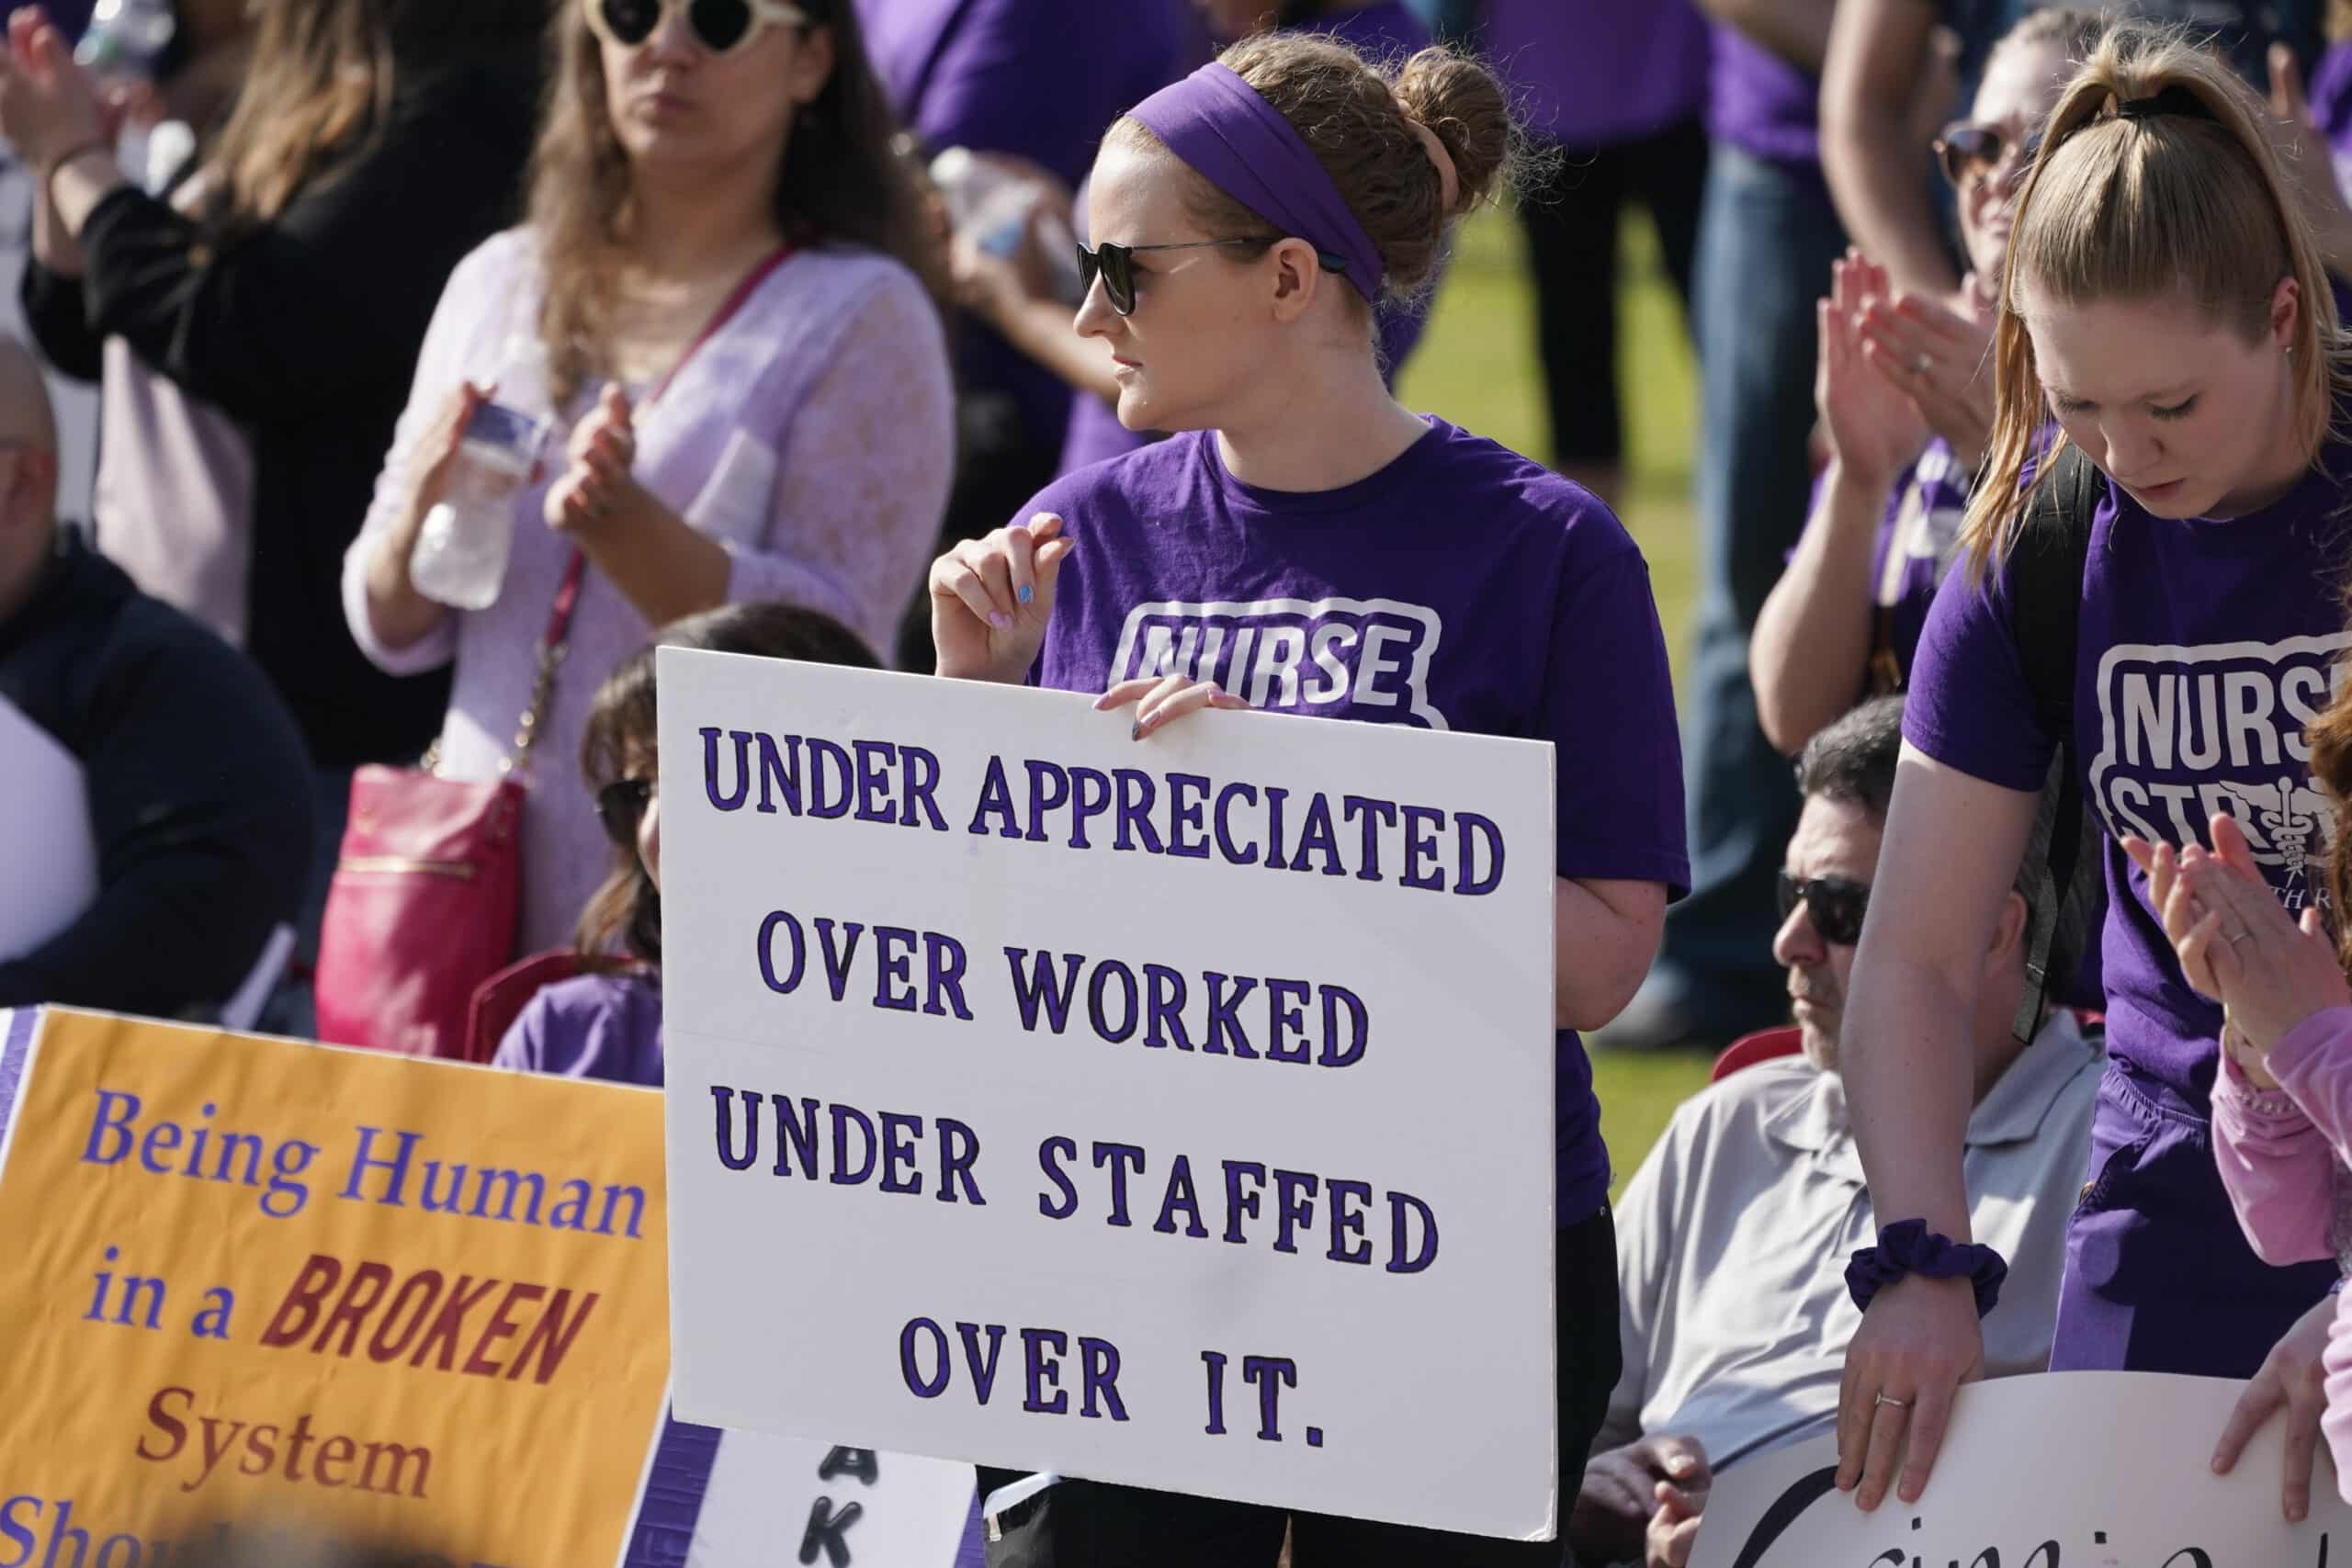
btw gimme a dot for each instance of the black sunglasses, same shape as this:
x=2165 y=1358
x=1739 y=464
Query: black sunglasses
x=620 y=807
x=1116 y=266
x=1964 y=148
x=1834 y=905
x=721 y=27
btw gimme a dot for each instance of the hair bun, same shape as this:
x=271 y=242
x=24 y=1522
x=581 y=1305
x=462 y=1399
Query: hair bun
x=1467 y=109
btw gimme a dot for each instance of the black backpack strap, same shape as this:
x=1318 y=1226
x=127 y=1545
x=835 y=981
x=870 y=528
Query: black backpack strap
x=2045 y=601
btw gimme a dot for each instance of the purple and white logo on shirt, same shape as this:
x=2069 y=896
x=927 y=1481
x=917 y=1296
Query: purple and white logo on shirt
x=2186 y=734
x=1324 y=657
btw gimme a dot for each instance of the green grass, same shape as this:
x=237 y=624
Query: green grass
x=1477 y=367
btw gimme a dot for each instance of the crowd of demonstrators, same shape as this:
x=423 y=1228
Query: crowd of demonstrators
x=2166 y=302
x=720 y=295
x=1905 y=404
x=1768 y=235
x=2115 y=420
x=255 y=326
x=195 y=783
x=1733 y=1333
x=1298 y=479
x=1015 y=296
x=1623 y=103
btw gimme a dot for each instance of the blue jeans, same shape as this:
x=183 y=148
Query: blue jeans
x=1768 y=235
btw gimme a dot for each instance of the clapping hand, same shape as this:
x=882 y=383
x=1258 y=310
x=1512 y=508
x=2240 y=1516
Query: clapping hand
x=1941 y=357
x=2235 y=943
x=1874 y=430
x=598 y=486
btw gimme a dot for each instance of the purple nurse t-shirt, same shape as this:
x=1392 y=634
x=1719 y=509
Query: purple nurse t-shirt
x=2204 y=650
x=1462 y=586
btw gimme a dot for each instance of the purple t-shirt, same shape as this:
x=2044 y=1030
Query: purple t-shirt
x=1385 y=30
x=1924 y=513
x=2331 y=101
x=1593 y=76
x=1761 y=103
x=2204 y=650
x=606 y=1027
x=1462 y=586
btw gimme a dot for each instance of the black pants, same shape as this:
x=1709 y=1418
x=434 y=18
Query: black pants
x=1085 y=1524
x=1572 y=222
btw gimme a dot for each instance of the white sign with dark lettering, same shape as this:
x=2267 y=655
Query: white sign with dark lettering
x=1176 y=1112
x=2099 y=1469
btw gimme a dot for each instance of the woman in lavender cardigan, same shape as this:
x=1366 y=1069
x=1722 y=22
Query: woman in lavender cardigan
x=799 y=453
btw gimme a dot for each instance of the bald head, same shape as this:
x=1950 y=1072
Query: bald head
x=25 y=416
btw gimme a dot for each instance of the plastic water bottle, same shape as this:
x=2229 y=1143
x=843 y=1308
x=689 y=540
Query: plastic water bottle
x=994 y=206
x=460 y=554
x=125 y=43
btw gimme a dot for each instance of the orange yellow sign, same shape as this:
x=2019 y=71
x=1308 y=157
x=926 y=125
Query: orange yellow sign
x=256 y=1279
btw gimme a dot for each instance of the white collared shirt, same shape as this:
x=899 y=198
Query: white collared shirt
x=1733 y=1235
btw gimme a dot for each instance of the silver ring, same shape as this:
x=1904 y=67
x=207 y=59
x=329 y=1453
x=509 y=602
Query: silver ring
x=1921 y=365
x=2234 y=941
x=1897 y=1403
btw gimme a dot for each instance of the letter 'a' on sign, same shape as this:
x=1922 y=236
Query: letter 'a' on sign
x=1177 y=1114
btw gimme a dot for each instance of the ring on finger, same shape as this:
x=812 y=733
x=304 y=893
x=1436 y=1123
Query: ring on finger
x=2234 y=938
x=1891 y=1401
x=1924 y=364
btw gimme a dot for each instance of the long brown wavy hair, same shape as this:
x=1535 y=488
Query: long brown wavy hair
x=322 y=82
x=841 y=184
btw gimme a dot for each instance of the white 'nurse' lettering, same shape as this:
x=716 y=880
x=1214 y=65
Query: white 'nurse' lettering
x=2187 y=733
x=1321 y=656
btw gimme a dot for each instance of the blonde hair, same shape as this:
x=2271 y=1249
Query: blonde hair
x=2188 y=201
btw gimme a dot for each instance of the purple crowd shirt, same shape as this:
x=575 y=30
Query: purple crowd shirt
x=2331 y=105
x=1463 y=587
x=606 y=1027
x=1383 y=29
x=2204 y=648
x=1761 y=103
x=1600 y=72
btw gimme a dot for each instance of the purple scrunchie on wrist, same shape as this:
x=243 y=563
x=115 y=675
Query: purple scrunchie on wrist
x=1907 y=1247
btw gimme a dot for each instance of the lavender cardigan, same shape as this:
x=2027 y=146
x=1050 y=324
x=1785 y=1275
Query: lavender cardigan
x=812 y=437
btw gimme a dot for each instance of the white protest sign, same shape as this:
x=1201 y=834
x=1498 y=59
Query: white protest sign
x=48 y=859
x=2106 y=1469
x=1175 y=1113
x=851 y=1507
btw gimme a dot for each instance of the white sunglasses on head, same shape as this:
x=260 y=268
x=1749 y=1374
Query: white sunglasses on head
x=721 y=26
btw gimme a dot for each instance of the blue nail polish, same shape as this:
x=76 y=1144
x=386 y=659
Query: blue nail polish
x=1136 y=733
x=1027 y=594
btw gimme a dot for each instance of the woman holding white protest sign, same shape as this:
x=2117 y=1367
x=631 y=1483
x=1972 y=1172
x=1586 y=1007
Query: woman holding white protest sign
x=2162 y=615
x=1306 y=544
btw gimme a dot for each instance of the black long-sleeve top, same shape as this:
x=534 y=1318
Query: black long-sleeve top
x=201 y=797
x=307 y=331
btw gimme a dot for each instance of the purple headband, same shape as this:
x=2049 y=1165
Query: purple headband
x=1241 y=144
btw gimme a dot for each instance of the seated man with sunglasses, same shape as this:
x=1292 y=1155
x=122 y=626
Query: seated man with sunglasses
x=1734 y=1235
